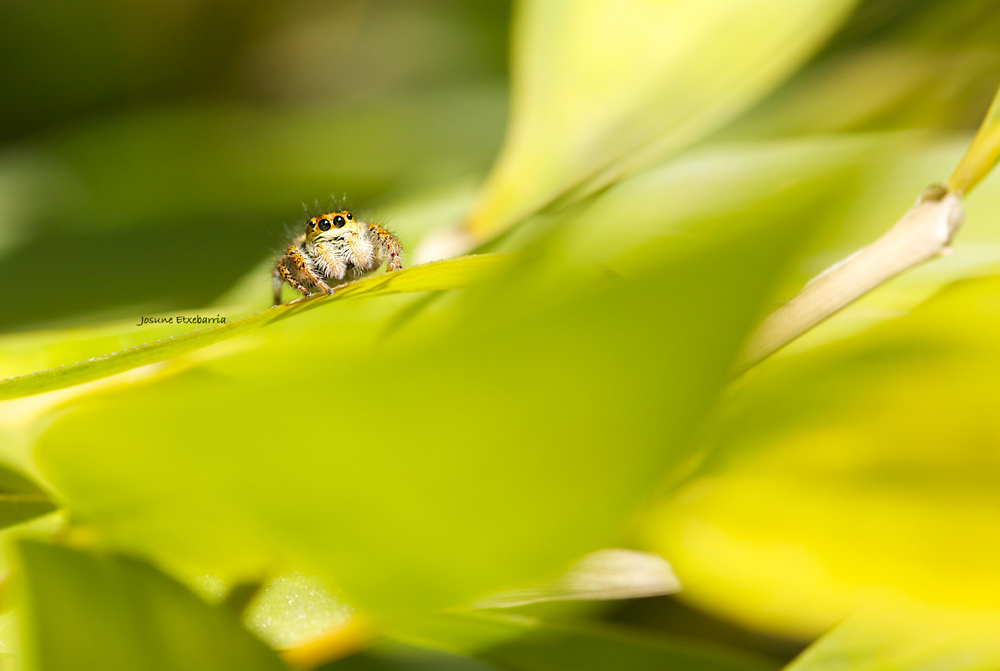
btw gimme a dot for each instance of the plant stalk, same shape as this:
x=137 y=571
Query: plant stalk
x=923 y=233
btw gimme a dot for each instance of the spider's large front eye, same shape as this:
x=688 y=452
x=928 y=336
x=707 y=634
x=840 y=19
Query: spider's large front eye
x=339 y=221
x=324 y=225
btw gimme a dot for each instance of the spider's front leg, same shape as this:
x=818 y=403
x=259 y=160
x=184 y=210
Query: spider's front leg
x=281 y=275
x=387 y=246
x=283 y=271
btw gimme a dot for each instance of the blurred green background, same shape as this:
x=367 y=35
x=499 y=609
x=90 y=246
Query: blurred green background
x=661 y=173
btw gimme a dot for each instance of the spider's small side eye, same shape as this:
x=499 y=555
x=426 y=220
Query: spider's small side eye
x=338 y=221
x=324 y=224
x=350 y=216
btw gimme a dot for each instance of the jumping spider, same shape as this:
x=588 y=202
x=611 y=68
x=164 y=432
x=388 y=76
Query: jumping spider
x=337 y=246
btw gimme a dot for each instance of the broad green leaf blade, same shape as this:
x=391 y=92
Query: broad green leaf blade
x=602 y=89
x=847 y=475
x=519 y=643
x=982 y=155
x=908 y=637
x=383 y=467
x=88 y=611
x=451 y=274
x=21 y=499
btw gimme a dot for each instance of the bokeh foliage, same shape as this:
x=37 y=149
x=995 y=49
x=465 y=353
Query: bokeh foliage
x=670 y=171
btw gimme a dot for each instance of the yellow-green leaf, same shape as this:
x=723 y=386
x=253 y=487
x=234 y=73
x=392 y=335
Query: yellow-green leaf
x=604 y=88
x=852 y=474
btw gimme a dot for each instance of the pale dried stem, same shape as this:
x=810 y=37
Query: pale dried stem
x=924 y=232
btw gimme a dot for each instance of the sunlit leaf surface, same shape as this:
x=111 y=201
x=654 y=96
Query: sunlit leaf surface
x=908 y=637
x=852 y=474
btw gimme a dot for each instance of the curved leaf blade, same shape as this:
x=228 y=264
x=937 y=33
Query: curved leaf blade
x=602 y=89
x=452 y=274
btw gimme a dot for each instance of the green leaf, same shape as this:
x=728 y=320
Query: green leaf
x=602 y=89
x=89 y=611
x=982 y=155
x=908 y=637
x=529 y=644
x=21 y=499
x=392 y=656
x=428 y=277
x=382 y=465
x=850 y=474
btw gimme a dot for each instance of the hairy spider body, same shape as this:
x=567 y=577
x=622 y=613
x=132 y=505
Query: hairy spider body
x=335 y=246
